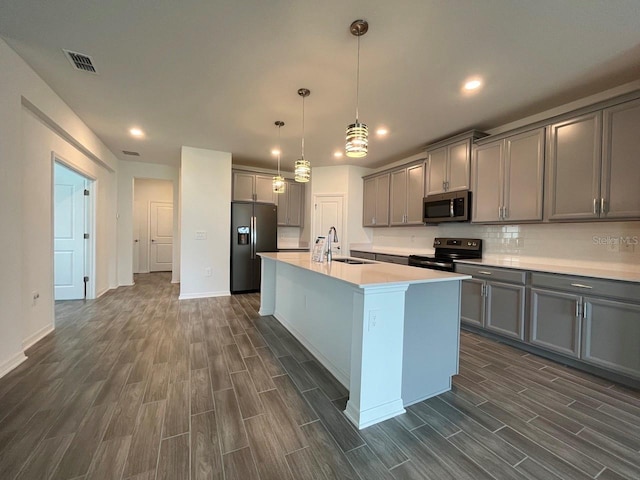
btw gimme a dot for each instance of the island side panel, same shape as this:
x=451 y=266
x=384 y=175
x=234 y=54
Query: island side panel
x=432 y=339
x=268 y=286
x=317 y=310
x=376 y=355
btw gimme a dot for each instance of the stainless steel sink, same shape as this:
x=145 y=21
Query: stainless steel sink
x=352 y=261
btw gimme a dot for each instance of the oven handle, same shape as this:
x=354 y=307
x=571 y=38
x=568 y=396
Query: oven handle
x=423 y=263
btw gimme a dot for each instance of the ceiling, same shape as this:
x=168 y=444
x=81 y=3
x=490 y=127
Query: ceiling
x=217 y=74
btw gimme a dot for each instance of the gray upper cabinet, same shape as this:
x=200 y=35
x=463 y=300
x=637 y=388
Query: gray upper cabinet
x=448 y=168
x=375 y=212
x=573 y=183
x=253 y=187
x=448 y=164
x=406 y=195
x=291 y=205
x=621 y=161
x=508 y=179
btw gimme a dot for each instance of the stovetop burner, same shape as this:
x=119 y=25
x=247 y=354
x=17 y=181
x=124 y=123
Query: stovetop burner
x=448 y=250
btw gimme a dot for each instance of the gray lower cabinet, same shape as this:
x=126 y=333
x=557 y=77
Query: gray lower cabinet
x=364 y=255
x=494 y=299
x=611 y=335
x=380 y=257
x=555 y=321
x=472 y=305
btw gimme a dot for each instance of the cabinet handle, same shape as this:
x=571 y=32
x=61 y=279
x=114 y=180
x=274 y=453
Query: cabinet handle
x=602 y=206
x=373 y=220
x=584 y=310
x=444 y=185
x=595 y=206
x=580 y=285
x=578 y=308
x=505 y=213
x=484 y=272
x=499 y=213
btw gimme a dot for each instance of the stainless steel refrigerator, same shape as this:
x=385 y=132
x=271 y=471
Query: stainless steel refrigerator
x=254 y=228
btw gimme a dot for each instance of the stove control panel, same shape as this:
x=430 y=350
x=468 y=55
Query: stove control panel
x=472 y=244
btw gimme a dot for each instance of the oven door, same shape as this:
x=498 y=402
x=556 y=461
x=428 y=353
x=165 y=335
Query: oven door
x=430 y=263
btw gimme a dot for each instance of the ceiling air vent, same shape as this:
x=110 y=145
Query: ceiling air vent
x=80 y=61
x=133 y=154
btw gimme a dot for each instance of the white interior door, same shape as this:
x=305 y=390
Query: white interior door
x=69 y=244
x=161 y=236
x=140 y=237
x=328 y=212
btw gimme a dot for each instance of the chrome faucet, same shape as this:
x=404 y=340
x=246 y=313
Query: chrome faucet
x=328 y=253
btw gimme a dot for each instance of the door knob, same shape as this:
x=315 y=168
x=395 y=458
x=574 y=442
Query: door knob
x=153 y=241
x=136 y=240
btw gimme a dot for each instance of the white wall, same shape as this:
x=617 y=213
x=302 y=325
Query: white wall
x=205 y=189
x=347 y=180
x=20 y=86
x=38 y=143
x=127 y=172
x=146 y=191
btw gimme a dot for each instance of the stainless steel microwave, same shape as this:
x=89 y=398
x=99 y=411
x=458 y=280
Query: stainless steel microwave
x=447 y=207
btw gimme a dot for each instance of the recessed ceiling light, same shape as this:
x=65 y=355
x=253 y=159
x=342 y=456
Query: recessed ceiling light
x=136 y=132
x=382 y=131
x=337 y=154
x=472 y=84
x=275 y=151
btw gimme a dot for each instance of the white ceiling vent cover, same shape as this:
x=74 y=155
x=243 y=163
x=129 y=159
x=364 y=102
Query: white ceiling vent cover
x=80 y=61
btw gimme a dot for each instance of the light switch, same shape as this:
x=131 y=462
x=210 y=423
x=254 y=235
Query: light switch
x=201 y=235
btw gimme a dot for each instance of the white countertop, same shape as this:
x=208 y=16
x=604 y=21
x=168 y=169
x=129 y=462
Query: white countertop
x=365 y=275
x=610 y=271
x=582 y=268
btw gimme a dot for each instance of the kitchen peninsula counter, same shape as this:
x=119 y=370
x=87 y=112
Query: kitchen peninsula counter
x=389 y=333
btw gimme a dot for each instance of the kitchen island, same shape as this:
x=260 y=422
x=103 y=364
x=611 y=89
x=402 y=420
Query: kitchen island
x=389 y=333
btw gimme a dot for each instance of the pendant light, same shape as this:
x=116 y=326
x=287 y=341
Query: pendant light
x=278 y=180
x=303 y=167
x=357 y=141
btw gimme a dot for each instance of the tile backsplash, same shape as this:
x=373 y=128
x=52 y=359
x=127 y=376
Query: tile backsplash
x=617 y=242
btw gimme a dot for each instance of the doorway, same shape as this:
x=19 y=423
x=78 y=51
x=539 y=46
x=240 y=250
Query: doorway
x=152 y=225
x=72 y=234
x=328 y=212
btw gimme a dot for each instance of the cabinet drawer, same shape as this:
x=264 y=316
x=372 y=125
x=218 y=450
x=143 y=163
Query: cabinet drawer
x=365 y=255
x=399 y=259
x=493 y=273
x=587 y=286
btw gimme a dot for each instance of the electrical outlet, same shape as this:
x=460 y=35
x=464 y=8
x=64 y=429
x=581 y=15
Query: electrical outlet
x=207 y=271
x=201 y=235
x=35 y=296
x=373 y=319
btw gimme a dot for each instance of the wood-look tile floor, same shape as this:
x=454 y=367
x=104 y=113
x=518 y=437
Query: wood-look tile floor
x=140 y=385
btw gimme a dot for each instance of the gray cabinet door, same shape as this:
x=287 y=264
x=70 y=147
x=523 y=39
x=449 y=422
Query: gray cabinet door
x=295 y=204
x=524 y=172
x=621 y=161
x=611 y=335
x=243 y=186
x=382 y=200
x=264 y=189
x=283 y=207
x=555 y=321
x=436 y=171
x=504 y=312
x=472 y=302
x=487 y=182
x=459 y=166
x=573 y=187
x=415 y=194
x=369 y=202
x=398 y=197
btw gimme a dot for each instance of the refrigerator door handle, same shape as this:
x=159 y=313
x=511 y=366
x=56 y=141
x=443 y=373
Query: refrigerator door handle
x=253 y=237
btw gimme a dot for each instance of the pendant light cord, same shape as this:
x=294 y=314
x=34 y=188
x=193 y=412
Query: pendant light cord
x=279 y=149
x=303 y=128
x=358 y=81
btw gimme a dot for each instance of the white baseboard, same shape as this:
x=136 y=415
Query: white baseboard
x=11 y=363
x=189 y=296
x=37 y=336
x=103 y=291
x=175 y=281
x=127 y=284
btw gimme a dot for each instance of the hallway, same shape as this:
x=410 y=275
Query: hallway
x=140 y=385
